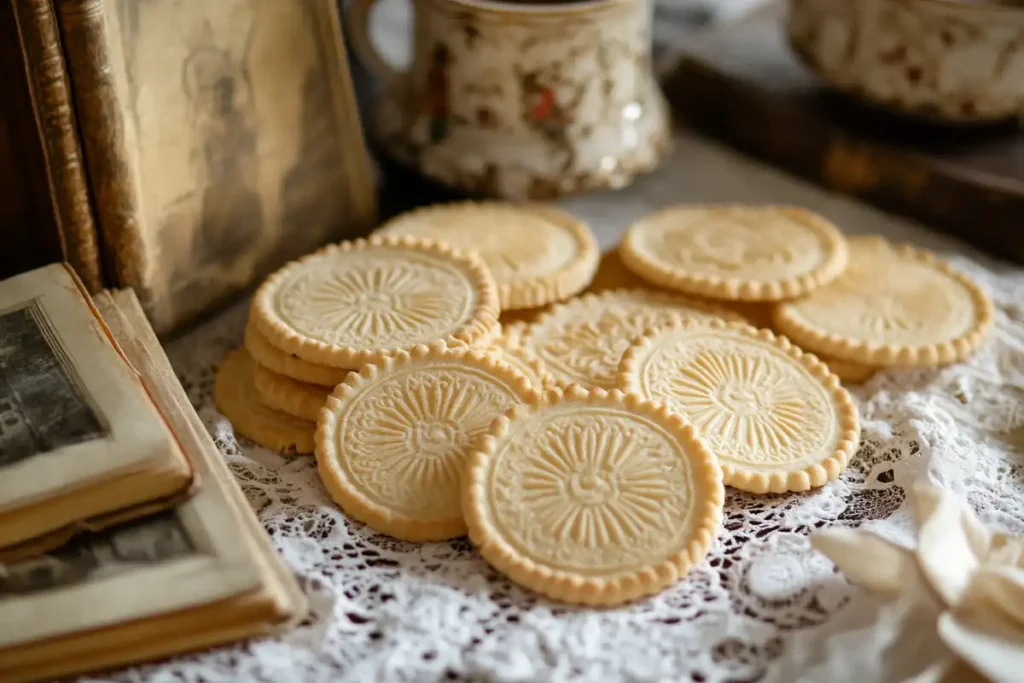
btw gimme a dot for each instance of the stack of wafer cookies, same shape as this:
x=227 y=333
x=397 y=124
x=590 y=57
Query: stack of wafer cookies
x=479 y=368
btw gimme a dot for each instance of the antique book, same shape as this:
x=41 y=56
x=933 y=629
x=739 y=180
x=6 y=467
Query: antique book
x=221 y=139
x=80 y=436
x=199 y=575
x=56 y=135
x=24 y=189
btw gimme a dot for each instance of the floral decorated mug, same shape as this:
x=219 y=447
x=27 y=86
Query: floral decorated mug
x=522 y=100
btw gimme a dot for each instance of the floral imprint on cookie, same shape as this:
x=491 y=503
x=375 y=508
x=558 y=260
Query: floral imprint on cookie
x=777 y=419
x=396 y=303
x=749 y=407
x=604 y=494
x=406 y=437
x=392 y=440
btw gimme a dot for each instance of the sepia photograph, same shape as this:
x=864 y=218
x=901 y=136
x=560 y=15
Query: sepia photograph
x=91 y=557
x=43 y=405
x=242 y=155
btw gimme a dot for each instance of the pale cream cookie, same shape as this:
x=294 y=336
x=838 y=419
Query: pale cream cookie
x=358 y=302
x=391 y=441
x=777 y=418
x=742 y=253
x=287 y=364
x=288 y=395
x=537 y=253
x=894 y=305
x=595 y=498
x=581 y=341
x=236 y=397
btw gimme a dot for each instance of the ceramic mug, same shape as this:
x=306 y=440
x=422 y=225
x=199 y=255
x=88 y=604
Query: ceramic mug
x=947 y=60
x=521 y=100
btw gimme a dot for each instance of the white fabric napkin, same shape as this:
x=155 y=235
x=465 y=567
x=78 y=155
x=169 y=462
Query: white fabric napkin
x=955 y=602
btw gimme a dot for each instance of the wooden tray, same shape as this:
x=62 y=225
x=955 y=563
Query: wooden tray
x=742 y=85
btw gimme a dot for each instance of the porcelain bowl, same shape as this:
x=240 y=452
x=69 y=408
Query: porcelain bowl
x=955 y=61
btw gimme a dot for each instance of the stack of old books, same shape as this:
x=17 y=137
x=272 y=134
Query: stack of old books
x=123 y=536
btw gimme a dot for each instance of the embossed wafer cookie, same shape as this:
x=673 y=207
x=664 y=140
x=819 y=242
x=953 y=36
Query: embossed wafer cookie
x=289 y=365
x=894 y=305
x=594 y=498
x=237 y=399
x=279 y=392
x=777 y=419
x=743 y=253
x=536 y=253
x=358 y=302
x=392 y=440
x=582 y=341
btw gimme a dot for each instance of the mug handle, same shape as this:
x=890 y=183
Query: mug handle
x=359 y=23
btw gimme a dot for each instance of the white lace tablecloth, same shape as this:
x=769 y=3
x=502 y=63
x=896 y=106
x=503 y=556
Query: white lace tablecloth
x=392 y=611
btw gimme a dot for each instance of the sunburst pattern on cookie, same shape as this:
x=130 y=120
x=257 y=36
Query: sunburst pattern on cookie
x=743 y=402
x=592 y=497
x=391 y=440
x=596 y=486
x=356 y=302
x=776 y=418
x=408 y=435
x=396 y=303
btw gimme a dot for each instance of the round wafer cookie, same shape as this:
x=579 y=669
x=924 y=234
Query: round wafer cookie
x=287 y=364
x=581 y=341
x=777 y=419
x=236 y=397
x=592 y=497
x=742 y=253
x=894 y=305
x=391 y=440
x=358 y=302
x=288 y=395
x=536 y=253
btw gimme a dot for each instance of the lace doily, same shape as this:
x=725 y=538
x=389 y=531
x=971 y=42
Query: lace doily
x=385 y=610
x=391 y=611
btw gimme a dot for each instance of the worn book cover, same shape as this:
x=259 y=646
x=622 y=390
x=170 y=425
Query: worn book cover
x=80 y=437
x=198 y=575
x=54 y=138
x=221 y=139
